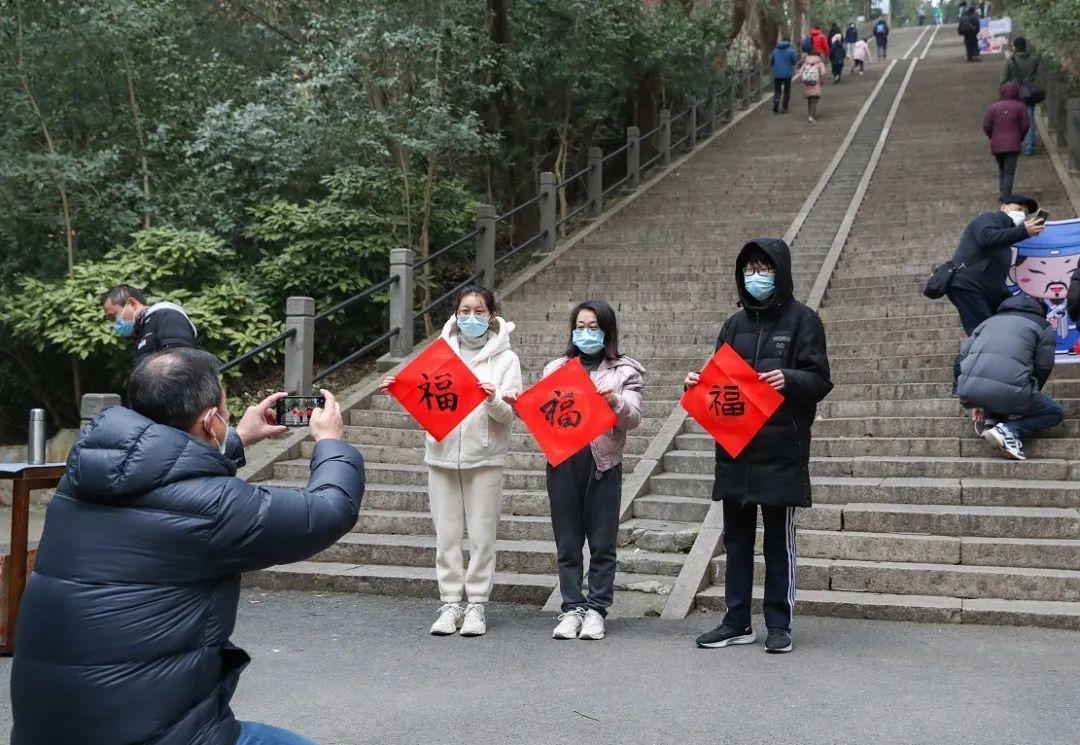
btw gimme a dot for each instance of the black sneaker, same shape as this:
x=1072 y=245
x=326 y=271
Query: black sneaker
x=778 y=641
x=725 y=636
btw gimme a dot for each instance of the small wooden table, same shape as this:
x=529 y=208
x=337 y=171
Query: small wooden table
x=25 y=478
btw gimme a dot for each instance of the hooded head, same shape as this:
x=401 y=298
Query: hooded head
x=784 y=44
x=1010 y=90
x=1023 y=304
x=779 y=255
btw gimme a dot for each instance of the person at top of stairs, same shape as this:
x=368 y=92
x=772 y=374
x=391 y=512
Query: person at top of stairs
x=784 y=341
x=465 y=469
x=1004 y=365
x=585 y=491
x=125 y=624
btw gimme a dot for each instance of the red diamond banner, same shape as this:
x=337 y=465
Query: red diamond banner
x=564 y=412
x=731 y=402
x=438 y=389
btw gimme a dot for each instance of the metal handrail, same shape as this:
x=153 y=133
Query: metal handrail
x=651 y=132
x=527 y=203
x=677 y=117
x=444 y=249
x=367 y=348
x=615 y=153
x=575 y=177
x=615 y=186
x=573 y=214
x=679 y=143
x=354 y=299
x=651 y=161
x=521 y=247
x=448 y=294
x=237 y=361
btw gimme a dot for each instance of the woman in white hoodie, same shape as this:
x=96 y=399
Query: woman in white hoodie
x=465 y=470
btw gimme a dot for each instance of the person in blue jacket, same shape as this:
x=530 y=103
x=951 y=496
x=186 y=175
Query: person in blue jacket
x=782 y=61
x=124 y=629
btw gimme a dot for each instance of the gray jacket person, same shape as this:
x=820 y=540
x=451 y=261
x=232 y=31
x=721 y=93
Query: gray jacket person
x=1004 y=365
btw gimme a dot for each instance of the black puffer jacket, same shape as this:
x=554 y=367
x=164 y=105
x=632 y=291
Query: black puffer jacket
x=162 y=326
x=774 y=469
x=985 y=251
x=124 y=629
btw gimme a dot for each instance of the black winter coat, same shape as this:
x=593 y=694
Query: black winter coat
x=124 y=629
x=162 y=326
x=774 y=469
x=985 y=250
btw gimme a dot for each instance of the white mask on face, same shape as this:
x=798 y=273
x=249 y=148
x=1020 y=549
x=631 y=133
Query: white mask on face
x=224 y=441
x=1018 y=217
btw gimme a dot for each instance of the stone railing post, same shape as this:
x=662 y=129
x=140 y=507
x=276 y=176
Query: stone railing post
x=1057 y=113
x=633 y=157
x=300 y=347
x=548 y=209
x=595 y=181
x=732 y=96
x=710 y=110
x=758 y=81
x=747 y=87
x=665 y=136
x=692 y=124
x=1072 y=134
x=401 y=304
x=93 y=404
x=485 y=245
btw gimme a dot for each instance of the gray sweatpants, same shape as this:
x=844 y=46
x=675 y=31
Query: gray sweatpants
x=585 y=505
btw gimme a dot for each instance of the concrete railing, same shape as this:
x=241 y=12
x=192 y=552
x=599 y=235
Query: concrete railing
x=1062 y=107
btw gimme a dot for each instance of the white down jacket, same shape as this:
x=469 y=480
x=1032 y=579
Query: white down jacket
x=483 y=438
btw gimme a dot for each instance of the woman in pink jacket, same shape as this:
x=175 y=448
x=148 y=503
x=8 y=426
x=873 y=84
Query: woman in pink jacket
x=585 y=491
x=811 y=72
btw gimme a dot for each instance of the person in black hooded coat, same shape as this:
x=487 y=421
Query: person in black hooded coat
x=784 y=341
x=124 y=629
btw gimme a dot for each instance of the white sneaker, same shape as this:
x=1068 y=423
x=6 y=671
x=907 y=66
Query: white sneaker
x=569 y=624
x=449 y=620
x=1005 y=440
x=474 y=624
x=593 y=628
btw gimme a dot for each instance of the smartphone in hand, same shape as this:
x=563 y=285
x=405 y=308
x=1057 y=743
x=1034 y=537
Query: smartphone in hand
x=1040 y=214
x=295 y=411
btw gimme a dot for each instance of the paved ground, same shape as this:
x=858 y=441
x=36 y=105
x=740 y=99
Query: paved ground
x=362 y=669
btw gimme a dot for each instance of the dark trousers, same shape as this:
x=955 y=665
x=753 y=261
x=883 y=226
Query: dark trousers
x=781 y=94
x=1006 y=172
x=971 y=46
x=811 y=105
x=740 y=535
x=859 y=65
x=585 y=504
x=837 y=70
x=882 y=46
x=1043 y=413
x=974 y=308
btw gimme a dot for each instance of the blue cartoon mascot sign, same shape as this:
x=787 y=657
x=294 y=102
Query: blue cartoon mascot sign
x=1042 y=268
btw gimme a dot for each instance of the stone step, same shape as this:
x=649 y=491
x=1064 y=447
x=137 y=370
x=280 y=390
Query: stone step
x=414 y=438
x=919 y=608
x=400 y=522
x=667 y=536
x=874 y=313
x=651 y=408
x=923 y=578
x=402 y=420
x=837 y=324
x=373 y=579
x=519 y=557
x=413 y=475
x=520 y=461
x=952 y=520
x=970 y=492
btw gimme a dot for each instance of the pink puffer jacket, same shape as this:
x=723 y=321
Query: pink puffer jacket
x=625 y=376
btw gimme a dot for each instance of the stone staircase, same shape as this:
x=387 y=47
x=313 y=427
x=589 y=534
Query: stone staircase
x=666 y=265
x=915 y=518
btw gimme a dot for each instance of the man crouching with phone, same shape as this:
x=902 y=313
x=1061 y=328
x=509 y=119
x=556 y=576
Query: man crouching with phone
x=124 y=629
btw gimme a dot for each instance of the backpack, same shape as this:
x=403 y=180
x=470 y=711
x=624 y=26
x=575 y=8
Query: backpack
x=1030 y=94
x=811 y=75
x=880 y=27
x=807 y=45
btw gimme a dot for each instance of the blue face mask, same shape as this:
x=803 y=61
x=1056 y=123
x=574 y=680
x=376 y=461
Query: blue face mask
x=123 y=327
x=472 y=326
x=760 y=287
x=589 y=341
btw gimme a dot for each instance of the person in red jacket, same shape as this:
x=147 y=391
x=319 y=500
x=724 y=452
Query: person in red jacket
x=1006 y=122
x=821 y=44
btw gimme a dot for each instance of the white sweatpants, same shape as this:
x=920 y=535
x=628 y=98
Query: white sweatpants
x=465 y=499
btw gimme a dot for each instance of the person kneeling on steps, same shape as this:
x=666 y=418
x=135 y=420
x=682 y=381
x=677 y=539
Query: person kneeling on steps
x=1003 y=368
